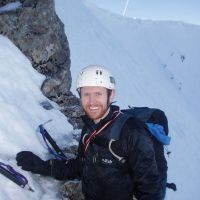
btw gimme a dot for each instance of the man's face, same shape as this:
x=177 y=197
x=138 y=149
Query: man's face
x=95 y=101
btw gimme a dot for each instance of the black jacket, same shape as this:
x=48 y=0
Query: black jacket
x=106 y=178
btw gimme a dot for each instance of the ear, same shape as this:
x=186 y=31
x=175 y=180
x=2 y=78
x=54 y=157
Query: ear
x=112 y=96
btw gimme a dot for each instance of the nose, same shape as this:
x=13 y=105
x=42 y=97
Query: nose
x=92 y=100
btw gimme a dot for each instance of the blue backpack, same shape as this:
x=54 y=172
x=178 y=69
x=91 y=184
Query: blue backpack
x=157 y=126
x=154 y=118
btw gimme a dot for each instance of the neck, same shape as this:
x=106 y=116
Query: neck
x=106 y=113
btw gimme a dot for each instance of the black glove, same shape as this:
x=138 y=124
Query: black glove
x=30 y=162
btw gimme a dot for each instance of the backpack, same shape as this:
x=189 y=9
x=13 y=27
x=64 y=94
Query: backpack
x=157 y=126
x=154 y=118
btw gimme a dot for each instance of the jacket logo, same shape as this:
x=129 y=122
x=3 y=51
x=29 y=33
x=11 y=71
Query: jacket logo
x=106 y=161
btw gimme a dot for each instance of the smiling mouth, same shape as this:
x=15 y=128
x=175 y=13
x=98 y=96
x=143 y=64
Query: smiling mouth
x=93 y=109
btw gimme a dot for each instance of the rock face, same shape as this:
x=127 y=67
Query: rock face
x=37 y=31
x=72 y=190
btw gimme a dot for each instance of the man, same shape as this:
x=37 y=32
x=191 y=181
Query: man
x=104 y=177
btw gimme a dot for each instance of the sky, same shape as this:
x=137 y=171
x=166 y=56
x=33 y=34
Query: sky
x=181 y=10
x=162 y=71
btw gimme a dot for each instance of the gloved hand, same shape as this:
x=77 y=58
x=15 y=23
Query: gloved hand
x=30 y=162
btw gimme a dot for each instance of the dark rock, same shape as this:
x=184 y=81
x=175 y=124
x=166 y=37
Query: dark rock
x=71 y=151
x=72 y=190
x=46 y=105
x=37 y=31
x=39 y=34
x=70 y=106
x=29 y=3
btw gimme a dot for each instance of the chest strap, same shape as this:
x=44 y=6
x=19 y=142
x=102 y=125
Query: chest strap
x=96 y=132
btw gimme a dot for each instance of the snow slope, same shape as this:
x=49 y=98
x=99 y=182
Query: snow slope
x=155 y=64
x=21 y=113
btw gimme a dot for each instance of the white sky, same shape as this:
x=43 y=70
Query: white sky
x=181 y=10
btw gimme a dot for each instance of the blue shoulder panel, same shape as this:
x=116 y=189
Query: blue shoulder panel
x=158 y=132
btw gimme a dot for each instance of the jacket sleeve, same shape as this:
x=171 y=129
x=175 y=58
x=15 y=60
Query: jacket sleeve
x=71 y=169
x=143 y=167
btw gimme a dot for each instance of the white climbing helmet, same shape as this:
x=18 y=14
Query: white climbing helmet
x=95 y=75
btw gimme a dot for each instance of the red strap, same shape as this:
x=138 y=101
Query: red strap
x=96 y=132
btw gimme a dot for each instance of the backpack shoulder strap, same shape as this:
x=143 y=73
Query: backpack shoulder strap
x=118 y=124
x=141 y=113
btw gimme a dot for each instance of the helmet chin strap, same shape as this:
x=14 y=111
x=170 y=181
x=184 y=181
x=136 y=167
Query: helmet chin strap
x=108 y=98
x=110 y=104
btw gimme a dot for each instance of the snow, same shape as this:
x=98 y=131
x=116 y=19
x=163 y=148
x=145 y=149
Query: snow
x=155 y=64
x=21 y=113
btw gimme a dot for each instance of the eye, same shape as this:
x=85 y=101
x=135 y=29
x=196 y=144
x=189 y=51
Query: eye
x=85 y=94
x=98 y=94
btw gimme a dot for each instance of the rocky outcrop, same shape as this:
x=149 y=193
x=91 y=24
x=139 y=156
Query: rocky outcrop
x=37 y=31
x=39 y=34
x=72 y=190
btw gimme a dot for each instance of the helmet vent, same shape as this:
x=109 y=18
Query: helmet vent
x=94 y=75
x=98 y=72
